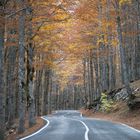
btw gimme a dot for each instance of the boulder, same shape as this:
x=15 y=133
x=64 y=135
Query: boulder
x=114 y=92
x=121 y=95
x=94 y=105
x=134 y=103
x=14 y=126
x=11 y=131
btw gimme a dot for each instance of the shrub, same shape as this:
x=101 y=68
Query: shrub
x=106 y=104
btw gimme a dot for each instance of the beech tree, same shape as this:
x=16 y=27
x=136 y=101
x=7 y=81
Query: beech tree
x=2 y=96
x=64 y=54
x=21 y=70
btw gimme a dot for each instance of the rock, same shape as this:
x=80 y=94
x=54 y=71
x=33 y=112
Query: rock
x=137 y=90
x=134 y=103
x=122 y=95
x=114 y=92
x=94 y=105
x=14 y=126
x=11 y=131
x=133 y=100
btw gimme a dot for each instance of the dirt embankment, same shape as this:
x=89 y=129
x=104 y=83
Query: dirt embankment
x=120 y=114
x=39 y=124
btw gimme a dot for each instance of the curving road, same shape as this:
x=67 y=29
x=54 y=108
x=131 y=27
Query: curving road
x=70 y=125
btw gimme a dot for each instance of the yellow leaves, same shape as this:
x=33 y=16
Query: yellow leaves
x=49 y=63
x=60 y=15
x=36 y=38
x=43 y=63
x=66 y=70
x=88 y=47
x=102 y=39
x=92 y=47
x=72 y=47
x=114 y=43
x=121 y=2
x=49 y=27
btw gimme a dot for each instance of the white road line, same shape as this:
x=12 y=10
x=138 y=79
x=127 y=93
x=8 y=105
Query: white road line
x=134 y=129
x=87 y=129
x=130 y=127
x=38 y=130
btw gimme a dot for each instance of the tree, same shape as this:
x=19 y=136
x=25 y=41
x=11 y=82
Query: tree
x=2 y=99
x=30 y=69
x=21 y=68
x=124 y=71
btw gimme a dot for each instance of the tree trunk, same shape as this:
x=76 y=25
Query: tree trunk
x=138 y=43
x=91 y=77
x=30 y=70
x=2 y=100
x=31 y=87
x=124 y=71
x=110 y=55
x=21 y=71
x=49 y=101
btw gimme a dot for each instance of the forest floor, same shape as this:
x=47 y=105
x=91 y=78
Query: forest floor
x=120 y=114
x=39 y=124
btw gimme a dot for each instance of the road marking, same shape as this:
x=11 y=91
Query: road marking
x=117 y=123
x=87 y=129
x=38 y=130
x=130 y=127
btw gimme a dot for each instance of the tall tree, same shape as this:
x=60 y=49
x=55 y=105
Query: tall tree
x=30 y=68
x=2 y=100
x=21 y=68
x=124 y=70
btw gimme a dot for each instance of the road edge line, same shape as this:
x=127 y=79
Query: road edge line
x=130 y=127
x=117 y=123
x=48 y=122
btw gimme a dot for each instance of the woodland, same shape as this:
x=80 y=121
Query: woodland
x=63 y=54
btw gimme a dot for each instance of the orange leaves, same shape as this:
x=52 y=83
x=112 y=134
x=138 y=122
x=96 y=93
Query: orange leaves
x=121 y=2
x=63 y=44
x=67 y=69
x=61 y=15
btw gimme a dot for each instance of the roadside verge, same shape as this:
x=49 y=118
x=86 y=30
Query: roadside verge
x=39 y=124
x=130 y=119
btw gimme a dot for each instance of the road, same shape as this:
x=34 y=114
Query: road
x=70 y=125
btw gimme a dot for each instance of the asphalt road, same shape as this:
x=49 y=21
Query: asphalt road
x=70 y=125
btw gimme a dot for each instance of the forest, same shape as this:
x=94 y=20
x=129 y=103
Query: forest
x=63 y=54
